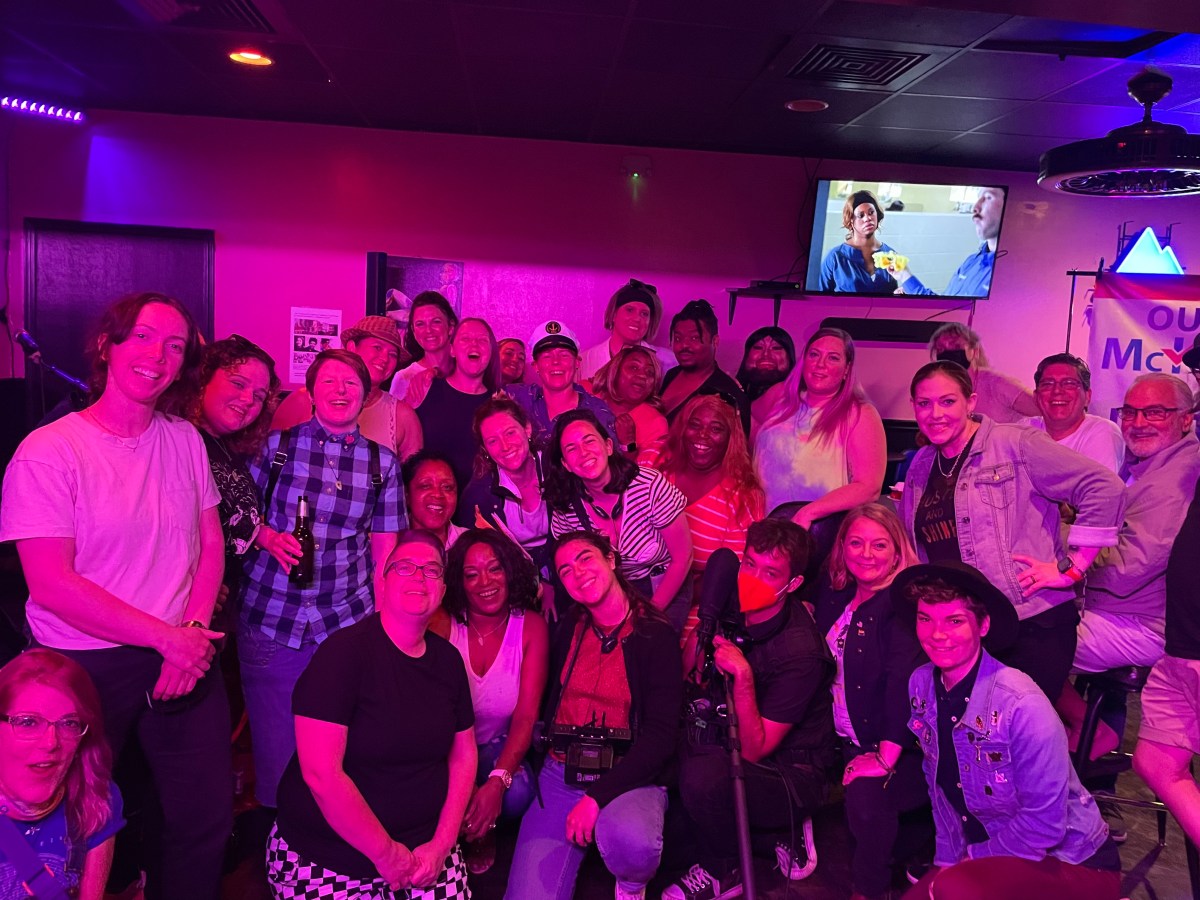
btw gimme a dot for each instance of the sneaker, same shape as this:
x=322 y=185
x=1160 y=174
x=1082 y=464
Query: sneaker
x=914 y=872
x=700 y=884
x=798 y=863
x=1114 y=819
x=622 y=894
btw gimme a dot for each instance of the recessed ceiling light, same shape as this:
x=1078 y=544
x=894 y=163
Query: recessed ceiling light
x=251 y=58
x=807 y=106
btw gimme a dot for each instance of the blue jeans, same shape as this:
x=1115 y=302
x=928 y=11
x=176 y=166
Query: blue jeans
x=628 y=835
x=270 y=671
x=518 y=797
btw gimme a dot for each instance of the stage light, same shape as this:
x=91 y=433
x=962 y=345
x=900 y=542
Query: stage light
x=38 y=108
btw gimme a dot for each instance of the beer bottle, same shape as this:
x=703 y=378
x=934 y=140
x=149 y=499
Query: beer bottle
x=302 y=571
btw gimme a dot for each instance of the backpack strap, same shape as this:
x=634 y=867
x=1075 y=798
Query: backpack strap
x=287 y=441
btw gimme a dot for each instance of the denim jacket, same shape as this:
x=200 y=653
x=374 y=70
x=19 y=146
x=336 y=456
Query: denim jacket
x=1017 y=776
x=1007 y=500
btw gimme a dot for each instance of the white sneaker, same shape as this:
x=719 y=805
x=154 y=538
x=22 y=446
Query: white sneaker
x=700 y=884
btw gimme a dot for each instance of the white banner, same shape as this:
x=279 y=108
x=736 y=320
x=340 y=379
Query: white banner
x=1139 y=324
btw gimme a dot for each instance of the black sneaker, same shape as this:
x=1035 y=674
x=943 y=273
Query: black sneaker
x=700 y=884
x=1114 y=819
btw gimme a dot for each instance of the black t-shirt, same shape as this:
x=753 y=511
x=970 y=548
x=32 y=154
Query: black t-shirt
x=1183 y=587
x=402 y=714
x=935 y=523
x=719 y=382
x=793 y=671
x=445 y=416
x=951 y=707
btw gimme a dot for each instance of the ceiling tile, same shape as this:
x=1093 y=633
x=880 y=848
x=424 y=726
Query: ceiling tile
x=1111 y=87
x=1005 y=151
x=426 y=93
x=862 y=139
x=783 y=15
x=939 y=113
x=67 y=12
x=519 y=36
x=767 y=97
x=1006 y=76
x=1064 y=120
x=593 y=7
x=950 y=27
x=1026 y=28
x=693 y=50
x=383 y=25
x=521 y=99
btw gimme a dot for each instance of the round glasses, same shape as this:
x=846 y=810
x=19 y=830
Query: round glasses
x=406 y=567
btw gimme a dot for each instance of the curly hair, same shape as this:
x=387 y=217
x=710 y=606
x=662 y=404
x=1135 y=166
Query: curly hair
x=605 y=379
x=640 y=607
x=886 y=519
x=563 y=487
x=738 y=478
x=520 y=574
x=115 y=325
x=227 y=354
x=89 y=776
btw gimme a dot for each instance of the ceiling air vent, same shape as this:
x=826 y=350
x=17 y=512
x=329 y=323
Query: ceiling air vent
x=860 y=66
x=239 y=16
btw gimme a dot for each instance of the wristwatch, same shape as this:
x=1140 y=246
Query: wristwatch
x=504 y=775
x=1067 y=567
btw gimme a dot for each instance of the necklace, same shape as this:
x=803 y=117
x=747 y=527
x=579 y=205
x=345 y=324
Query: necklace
x=957 y=460
x=221 y=446
x=336 y=470
x=479 y=636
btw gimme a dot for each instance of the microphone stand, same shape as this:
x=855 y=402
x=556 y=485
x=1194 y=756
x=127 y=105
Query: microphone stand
x=737 y=774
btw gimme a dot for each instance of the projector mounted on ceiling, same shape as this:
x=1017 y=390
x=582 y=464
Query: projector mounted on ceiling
x=1146 y=159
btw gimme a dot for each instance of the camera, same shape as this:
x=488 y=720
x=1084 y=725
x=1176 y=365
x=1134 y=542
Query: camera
x=588 y=750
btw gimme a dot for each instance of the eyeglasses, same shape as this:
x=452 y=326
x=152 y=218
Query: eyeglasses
x=1046 y=385
x=406 y=567
x=31 y=726
x=1149 y=413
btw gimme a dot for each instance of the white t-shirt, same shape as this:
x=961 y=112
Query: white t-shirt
x=1098 y=439
x=132 y=506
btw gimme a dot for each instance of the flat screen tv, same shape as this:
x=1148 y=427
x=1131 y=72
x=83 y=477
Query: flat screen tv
x=872 y=238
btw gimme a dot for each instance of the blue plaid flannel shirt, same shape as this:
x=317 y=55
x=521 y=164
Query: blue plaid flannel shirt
x=342 y=523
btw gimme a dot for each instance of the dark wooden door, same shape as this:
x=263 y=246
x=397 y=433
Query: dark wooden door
x=75 y=270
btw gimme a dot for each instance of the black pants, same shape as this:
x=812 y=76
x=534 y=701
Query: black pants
x=706 y=789
x=889 y=824
x=1045 y=648
x=188 y=754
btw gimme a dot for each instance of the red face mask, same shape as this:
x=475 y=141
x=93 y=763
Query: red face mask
x=754 y=593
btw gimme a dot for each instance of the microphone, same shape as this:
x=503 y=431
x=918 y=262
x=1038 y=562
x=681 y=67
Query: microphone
x=718 y=586
x=28 y=345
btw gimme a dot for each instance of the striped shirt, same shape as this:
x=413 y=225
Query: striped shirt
x=649 y=505
x=718 y=520
x=342 y=520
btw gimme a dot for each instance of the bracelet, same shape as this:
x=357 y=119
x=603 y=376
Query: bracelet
x=883 y=765
x=1075 y=574
x=193 y=623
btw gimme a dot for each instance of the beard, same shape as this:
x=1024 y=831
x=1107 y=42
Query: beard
x=758 y=381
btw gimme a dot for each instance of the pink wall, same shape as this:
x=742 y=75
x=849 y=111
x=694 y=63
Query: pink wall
x=545 y=228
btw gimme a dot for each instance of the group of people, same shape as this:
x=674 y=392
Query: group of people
x=536 y=598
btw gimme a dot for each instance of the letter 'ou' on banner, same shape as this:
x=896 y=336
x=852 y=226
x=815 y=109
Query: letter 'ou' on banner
x=1140 y=324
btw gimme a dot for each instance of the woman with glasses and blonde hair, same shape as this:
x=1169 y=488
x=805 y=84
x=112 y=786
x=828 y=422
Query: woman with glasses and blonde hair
x=372 y=801
x=875 y=656
x=56 y=791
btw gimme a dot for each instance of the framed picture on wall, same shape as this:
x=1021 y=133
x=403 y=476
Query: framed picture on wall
x=392 y=282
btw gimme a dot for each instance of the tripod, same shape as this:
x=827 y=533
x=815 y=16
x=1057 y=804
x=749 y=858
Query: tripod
x=737 y=773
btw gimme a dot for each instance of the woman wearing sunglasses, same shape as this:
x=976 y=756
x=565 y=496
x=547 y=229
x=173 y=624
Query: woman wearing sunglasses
x=373 y=799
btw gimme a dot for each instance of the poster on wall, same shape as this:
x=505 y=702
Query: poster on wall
x=392 y=282
x=1140 y=324
x=313 y=330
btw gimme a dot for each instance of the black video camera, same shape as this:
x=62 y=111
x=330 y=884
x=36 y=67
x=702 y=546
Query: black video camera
x=589 y=750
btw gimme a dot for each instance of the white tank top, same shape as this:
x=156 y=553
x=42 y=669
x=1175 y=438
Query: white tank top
x=494 y=694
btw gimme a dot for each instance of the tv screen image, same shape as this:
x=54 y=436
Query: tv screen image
x=871 y=238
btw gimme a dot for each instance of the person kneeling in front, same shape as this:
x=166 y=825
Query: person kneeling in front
x=1013 y=821
x=781 y=673
x=612 y=719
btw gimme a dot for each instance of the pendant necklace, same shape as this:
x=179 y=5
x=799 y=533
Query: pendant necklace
x=337 y=475
x=957 y=460
x=479 y=636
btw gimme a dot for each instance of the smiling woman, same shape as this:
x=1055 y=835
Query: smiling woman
x=114 y=514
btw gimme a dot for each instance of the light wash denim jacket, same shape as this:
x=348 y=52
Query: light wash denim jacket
x=1007 y=500
x=1017 y=776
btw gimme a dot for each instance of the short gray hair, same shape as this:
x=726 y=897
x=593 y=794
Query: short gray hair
x=1183 y=394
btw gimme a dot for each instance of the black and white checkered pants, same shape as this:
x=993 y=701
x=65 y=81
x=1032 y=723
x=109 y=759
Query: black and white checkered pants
x=294 y=878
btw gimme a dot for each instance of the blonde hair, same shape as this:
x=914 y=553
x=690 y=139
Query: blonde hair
x=605 y=378
x=886 y=519
x=966 y=335
x=836 y=415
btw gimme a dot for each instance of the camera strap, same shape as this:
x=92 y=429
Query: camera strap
x=580 y=631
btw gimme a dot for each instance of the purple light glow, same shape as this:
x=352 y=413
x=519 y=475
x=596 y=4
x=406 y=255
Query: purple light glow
x=41 y=109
